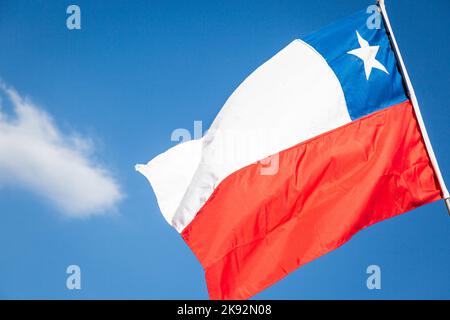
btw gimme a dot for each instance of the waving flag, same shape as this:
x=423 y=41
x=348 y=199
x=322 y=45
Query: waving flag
x=321 y=141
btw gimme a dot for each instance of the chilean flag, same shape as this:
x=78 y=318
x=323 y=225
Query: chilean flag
x=319 y=142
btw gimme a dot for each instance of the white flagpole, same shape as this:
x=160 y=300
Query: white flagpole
x=415 y=104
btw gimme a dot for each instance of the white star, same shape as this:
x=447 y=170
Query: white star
x=368 y=55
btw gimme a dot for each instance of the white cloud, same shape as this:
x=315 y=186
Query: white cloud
x=35 y=154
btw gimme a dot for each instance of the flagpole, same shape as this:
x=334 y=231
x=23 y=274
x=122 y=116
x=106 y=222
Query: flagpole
x=415 y=104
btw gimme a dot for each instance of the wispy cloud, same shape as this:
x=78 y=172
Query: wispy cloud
x=35 y=154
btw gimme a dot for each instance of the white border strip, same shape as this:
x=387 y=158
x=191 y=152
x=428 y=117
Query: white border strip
x=415 y=104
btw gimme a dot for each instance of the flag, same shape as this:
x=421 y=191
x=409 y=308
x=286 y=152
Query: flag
x=318 y=143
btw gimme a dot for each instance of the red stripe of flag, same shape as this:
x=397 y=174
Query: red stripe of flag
x=255 y=228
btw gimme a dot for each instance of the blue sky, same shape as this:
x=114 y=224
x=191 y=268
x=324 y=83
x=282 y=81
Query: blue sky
x=138 y=70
